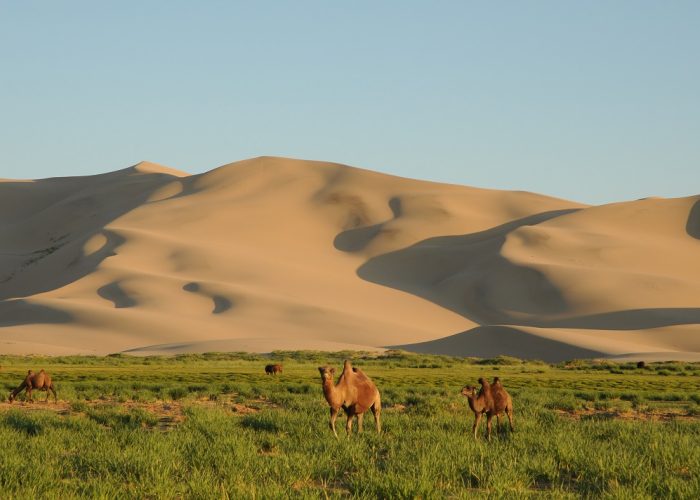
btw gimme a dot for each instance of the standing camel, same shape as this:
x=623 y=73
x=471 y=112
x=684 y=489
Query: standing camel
x=502 y=402
x=355 y=393
x=41 y=381
x=491 y=400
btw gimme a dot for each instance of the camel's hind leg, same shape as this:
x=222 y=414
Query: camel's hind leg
x=55 y=397
x=377 y=412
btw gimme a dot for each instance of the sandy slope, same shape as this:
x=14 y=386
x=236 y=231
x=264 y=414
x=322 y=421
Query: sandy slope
x=274 y=253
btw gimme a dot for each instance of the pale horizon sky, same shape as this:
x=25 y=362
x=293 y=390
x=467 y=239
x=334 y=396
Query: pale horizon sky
x=594 y=102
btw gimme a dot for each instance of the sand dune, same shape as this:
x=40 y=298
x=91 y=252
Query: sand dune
x=274 y=253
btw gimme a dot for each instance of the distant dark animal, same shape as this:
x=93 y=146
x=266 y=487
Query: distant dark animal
x=273 y=369
x=641 y=364
x=355 y=393
x=40 y=381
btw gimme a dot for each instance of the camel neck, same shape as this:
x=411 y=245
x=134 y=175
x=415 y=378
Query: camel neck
x=329 y=391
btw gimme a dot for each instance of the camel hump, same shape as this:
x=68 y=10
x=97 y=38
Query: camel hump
x=347 y=365
x=29 y=372
x=42 y=371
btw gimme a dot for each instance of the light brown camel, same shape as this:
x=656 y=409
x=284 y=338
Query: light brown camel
x=355 y=393
x=491 y=400
x=273 y=369
x=477 y=404
x=40 y=381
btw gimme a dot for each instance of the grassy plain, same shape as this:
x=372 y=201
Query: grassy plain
x=215 y=426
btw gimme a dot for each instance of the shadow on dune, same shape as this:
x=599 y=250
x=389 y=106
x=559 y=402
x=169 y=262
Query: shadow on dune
x=45 y=227
x=492 y=341
x=632 y=319
x=221 y=303
x=116 y=294
x=467 y=274
x=21 y=312
x=693 y=224
x=357 y=239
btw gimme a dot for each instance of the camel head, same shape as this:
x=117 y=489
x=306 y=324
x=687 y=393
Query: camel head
x=12 y=397
x=468 y=390
x=326 y=372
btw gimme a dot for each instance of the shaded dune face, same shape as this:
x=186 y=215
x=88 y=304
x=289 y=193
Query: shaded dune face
x=272 y=252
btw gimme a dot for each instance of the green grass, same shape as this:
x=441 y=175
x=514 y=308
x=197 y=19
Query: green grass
x=215 y=426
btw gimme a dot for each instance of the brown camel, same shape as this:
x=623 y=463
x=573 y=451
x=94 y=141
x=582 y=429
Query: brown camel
x=491 y=400
x=477 y=403
x=502 y=402
x=273 y=369
x=40 y=381
x=354 y=392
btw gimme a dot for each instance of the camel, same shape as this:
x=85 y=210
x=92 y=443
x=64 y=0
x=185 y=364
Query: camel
x=273 y=369
x=354 y=392
x=491 y=400
x=502 y=402
x=41 y=381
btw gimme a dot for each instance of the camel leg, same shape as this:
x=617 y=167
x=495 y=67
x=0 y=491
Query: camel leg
x=477 y=419
x=28 y=392
x=377 y=412
x=489 y=417
x=55 y=397
x=359 y=422
x=334 y=415
x=348 y=425
x=510 y=418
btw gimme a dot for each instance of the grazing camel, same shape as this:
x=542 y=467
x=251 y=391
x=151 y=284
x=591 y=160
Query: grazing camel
x=491 y=400
x=41 y=381
x=354 y=392
x=273 y=369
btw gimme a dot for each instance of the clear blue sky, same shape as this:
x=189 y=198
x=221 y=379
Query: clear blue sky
x=591 y=101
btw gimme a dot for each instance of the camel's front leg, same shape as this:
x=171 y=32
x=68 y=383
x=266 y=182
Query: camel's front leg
x=510 y=419
x=489 y=417
x=377 y=412
x=477 y=419
x=334 y=415
x=359 y=423
x=348 y=425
